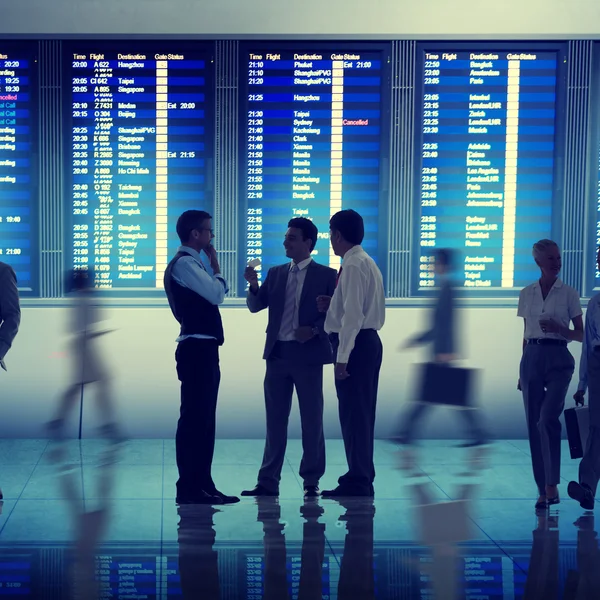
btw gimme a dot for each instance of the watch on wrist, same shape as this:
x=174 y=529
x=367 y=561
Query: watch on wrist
x=315 y=331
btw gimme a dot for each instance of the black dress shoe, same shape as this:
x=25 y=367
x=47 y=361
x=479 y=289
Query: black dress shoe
x=226 y=499
x=346 y=492
x=582 y=494
x=311 y=491
x=199 y=498
x=472 y=444
x=260 y=490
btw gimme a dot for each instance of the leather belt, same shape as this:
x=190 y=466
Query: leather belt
x=546 y=342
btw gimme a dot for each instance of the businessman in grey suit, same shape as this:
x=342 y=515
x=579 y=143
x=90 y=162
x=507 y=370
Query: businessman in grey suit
x=10 y=312
x=296 y=349
x=442 y=336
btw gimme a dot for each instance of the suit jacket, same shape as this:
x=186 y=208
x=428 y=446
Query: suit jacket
x=320 y=280
x=10 y=311
x=442 y=333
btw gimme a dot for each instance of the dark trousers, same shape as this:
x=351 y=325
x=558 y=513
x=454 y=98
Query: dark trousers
x=545 y=374
x=589 y=468
x=199 y=373
x=417 y=412
x=284 y=373
x=357 y=402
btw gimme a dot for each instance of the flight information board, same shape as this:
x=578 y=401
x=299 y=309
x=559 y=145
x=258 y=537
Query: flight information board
x=487 y=161
x=18 y=200
x=141 y=143
x=312 y=145
x=594 y=252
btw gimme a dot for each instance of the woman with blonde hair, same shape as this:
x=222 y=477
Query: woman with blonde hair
x=548 y=307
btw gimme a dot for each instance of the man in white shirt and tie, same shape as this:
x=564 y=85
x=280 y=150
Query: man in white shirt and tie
x=355 y=314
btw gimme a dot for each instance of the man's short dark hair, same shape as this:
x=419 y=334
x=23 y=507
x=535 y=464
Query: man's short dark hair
x=350 y=224
x=445 y=256
x=308 y=228
x=188 y=221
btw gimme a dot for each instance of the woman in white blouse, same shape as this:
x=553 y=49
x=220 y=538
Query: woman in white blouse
x=548 y=307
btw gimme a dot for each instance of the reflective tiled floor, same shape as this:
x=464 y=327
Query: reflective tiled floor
x=87 y=520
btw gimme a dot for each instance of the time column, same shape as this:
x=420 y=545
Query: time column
x=82 y=109
x=255 y=160
x=429 y=170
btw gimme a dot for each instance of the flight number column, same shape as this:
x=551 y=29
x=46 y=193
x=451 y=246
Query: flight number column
x=337 y=124
x=510 y=175
x=162 y=137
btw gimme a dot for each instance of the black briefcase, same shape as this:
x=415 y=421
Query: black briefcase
x=577 y=421
x=441 y=383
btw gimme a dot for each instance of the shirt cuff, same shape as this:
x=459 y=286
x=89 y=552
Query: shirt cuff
x=582 y=386
x=343 y=358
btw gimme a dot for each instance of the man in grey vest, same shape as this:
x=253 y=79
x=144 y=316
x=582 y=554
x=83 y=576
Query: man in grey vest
x=10 y=312
x=296 y=349
x=194 y=296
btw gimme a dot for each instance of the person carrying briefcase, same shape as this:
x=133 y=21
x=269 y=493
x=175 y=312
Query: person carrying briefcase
x=440 y=381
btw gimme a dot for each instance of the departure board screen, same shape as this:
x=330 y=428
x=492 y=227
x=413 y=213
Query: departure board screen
x=18 y=173
x=313 y=145
x=594 y=251
x=141 y=143
x=487 y=161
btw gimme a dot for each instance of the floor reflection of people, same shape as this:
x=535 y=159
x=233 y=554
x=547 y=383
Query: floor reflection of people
x=586 y=580
x=542 y=576
x=198 y=560
x=443 y=525
x=313 y=552
x=357 y=574
x=275 y=584
x=90 y=525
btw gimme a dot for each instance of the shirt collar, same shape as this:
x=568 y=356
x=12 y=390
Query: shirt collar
x=193 y=253
x=354 y=250
x=302 y=264
x=557 y=284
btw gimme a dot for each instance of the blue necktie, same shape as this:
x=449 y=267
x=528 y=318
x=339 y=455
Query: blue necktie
x=287 y=320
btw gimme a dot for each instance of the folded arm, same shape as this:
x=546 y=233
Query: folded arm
x=188 y=273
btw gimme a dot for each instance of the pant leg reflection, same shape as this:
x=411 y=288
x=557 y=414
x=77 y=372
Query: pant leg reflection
x=313 y=552
x=357 y=575
x=198 y=561
x=275 y=585
x=542 y=576
x=90 y=525
x=586 y=580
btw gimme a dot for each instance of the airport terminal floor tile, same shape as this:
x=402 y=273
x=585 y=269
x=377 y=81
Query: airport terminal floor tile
x=89 y=520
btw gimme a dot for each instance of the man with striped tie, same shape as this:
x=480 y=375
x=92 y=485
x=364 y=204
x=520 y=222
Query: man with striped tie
x=296 y=350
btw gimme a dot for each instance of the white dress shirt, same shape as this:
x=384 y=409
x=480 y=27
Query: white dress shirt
x=591 y=338
x=358 y=301
x=290 y=337
x=561 y=304
x=190 y=273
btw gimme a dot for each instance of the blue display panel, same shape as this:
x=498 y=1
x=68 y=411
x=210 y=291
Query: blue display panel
x=141 y=133
x=313 y=144
x=18 y=162
x=487 y=159
x=592 y=273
